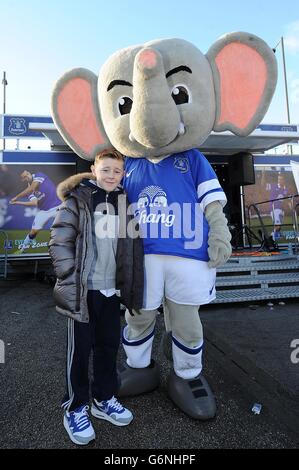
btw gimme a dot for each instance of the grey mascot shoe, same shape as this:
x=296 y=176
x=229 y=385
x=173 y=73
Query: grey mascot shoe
x=137 y=381
x=194 y=397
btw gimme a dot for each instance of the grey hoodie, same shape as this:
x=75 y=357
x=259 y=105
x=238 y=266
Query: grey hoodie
x=105 y=225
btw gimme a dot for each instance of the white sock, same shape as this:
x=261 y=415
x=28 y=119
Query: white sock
x=27 y=242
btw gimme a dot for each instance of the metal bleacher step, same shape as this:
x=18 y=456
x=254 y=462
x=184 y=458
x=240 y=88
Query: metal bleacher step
x=278 y=263
x=249 y=295
x=262 y=278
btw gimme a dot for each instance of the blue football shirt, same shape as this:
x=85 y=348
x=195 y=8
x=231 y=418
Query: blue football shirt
x=169 y=199
x=276 y=192
x=47 y=197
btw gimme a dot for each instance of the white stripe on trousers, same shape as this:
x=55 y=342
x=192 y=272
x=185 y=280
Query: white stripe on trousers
x=70 y=355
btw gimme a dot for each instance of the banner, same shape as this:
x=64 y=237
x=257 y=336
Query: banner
x=32 y=213
x=272 y=194
x=14 y=126
x=295 y=170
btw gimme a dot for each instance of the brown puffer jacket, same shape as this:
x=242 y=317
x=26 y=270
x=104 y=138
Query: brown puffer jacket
x=72 y=253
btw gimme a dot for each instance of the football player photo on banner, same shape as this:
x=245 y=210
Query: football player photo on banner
x=28 y=203
x=274 y=195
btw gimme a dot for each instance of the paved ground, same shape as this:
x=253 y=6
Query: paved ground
x=255 y=344
x=244 y=363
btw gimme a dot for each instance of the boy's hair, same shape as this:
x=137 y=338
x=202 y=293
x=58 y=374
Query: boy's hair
x=109 y=153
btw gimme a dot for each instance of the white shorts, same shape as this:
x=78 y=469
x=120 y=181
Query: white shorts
x=277 y=216
x=42 y=218
x=182 y=280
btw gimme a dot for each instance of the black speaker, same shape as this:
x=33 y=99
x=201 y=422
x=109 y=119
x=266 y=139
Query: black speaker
x=241 y=169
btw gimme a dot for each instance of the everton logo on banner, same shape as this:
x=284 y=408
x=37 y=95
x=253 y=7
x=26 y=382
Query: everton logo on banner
x=17 y=126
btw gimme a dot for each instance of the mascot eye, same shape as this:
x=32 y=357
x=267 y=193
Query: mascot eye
x=125 y=105
x=180 y=94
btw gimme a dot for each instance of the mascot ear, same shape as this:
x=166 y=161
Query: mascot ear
x=75 y=112
x=245 y=76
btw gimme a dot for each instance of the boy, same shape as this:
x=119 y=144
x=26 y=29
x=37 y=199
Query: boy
x=90 y=262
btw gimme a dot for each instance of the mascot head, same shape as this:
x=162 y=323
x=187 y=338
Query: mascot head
x=165 y=96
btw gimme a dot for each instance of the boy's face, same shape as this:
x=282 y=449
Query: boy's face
x=108 y=173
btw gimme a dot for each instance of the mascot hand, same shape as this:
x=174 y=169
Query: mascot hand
x=219 y=249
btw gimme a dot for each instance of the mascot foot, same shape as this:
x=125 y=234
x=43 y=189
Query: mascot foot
x=137 y=381
x=194 y=396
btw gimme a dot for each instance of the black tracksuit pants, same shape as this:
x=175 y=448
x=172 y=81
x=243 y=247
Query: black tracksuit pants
x=102 y=336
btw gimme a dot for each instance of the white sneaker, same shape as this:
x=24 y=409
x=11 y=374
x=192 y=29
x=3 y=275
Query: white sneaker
x=112 y=411
x=78 y=426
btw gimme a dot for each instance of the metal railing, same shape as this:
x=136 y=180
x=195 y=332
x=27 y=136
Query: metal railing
x=2 y=232
x=262 y=226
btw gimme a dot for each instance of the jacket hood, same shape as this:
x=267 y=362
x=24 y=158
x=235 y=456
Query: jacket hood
x=65 y=187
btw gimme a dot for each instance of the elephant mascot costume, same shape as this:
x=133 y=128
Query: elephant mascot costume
x=157 y=103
